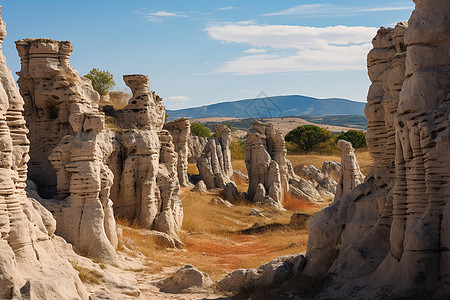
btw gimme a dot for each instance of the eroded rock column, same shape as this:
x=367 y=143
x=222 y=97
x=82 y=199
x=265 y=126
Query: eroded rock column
x=29 y=264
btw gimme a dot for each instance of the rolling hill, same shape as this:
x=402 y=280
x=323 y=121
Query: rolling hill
x=273 y=107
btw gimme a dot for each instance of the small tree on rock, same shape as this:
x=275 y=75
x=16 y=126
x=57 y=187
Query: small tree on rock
x=309 y=137
x=102 y=81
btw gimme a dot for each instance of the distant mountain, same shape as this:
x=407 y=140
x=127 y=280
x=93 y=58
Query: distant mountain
x=272 y=107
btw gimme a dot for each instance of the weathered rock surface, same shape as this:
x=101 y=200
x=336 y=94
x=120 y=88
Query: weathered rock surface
x=196 y=145
x=180 y=130
x=351 y=175
x=322 y=183
x=30 y=267
x=332 y=169
x=214 y=165
x=393 y=230
x=186 y=279
x=65 y=124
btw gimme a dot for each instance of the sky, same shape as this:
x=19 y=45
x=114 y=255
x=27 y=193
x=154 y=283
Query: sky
x=201 y=52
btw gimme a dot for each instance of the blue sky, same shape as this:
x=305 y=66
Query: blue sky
x=203 y=52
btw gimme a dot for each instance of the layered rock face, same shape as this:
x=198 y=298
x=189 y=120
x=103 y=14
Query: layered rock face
x=350 y=175
x=214 y=165
x=29 y=264
x=180 y=130
x=393 y=230
x=69 y=139
x=49 y=87
x=146 y=181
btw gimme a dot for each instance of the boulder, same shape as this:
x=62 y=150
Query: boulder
x=200 y=187
x=266 y=276
x=186 y=279
x=217 y=201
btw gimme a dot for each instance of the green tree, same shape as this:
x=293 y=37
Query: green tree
x=102 y=81
x=356 y=137
x=199 y=129
x=309 y=137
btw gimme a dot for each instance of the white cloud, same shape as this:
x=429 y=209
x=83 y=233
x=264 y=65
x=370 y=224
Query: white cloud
x=159 y=16
x=227 y=8
x=329 y=9
x=255 y=50
x=162 y=13
x=335 y=48
x=178 y=98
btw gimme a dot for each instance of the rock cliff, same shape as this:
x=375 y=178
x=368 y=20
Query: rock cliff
x=70 y=146
x=391 y=233
x=29 y=264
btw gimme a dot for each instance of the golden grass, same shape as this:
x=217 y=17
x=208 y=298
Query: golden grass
x=212 y=241
x=210 y=233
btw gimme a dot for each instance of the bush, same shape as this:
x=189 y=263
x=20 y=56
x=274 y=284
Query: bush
x=357 y=138
x=199 y=129
x=102 y=81
x=310 y=138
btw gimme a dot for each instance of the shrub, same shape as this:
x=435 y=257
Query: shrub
x=199 y=129
x=102 y=81
x=310 y=138
x=357 y=138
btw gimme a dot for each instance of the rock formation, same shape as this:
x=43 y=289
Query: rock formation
x=49 y=87
x=214 y=165
x=146 y=182
x=30 y=267
x=267 y=167
x=351 y=175
x=66 y=126
x=196 y=145
x=180 y=130
x=392 y=231
x=271 y=174
x=145 y=109
x=331 y=169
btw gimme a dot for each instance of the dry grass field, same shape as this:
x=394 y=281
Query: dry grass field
x=211 y=233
